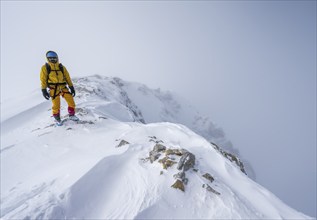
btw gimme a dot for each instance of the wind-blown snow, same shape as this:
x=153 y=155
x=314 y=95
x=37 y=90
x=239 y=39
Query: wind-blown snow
x=77 y=171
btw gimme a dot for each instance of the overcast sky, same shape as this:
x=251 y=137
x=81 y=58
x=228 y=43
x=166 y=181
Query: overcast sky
x=249 y=65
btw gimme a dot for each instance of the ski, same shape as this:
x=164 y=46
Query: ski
x=59 y=123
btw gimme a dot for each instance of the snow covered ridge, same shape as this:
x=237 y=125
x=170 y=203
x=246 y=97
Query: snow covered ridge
x=111 y=165
x=102 y=170
x=127 y=101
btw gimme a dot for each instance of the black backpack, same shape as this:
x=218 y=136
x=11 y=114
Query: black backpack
x=48 y=68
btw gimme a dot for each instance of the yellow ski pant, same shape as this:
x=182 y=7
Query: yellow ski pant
x=56 y=102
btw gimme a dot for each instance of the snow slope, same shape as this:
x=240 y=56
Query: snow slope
x=136 y=102
x=81 y=171
x=148 y=105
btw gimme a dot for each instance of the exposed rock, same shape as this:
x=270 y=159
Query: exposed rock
x=210 y=189
x=166 y=162
x=186 y=162
x=230 y=157
x=179 y=175
x=102 y=117
x=154 y=139
x=154 y=156
x=137 y=114
x=235 y=159
x=159 y=147
x=177 y=152
x=215 y=146
x=196 y=170
x=179 y=185
x=122 y=142
x=208 y=177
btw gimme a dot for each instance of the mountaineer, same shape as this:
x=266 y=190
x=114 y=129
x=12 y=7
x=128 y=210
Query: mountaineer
x=56 y=77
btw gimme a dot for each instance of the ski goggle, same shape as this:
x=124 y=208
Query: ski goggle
x=51 y=54
x=52 y=59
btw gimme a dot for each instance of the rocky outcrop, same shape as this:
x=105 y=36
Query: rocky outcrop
x=155 y=153
x=153 y=156
x=230 y=157
x=166 y=162
x=181 y=176
x=122 y=142
x=179 y=185
x=210 y=189
x=178 y=152
x=155 y=140
x=208 y=177
x=186 y=162
x=159 y=147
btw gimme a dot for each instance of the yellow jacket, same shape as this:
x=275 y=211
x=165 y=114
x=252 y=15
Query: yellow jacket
x=55 y=77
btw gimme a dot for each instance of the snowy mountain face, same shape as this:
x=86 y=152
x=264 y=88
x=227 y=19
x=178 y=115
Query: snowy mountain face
x=147 y=105
x=127 y=101
x=136 y=153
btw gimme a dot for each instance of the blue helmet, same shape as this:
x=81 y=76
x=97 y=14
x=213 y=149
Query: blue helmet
x=51 y=54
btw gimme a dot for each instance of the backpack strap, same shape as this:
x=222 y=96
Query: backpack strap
x=61 y=68
x=48 y=70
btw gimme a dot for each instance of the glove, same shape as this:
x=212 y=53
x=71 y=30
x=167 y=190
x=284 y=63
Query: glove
x=72 y=91
x=45 y=94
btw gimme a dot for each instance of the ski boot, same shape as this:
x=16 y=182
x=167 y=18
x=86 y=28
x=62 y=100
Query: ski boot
x=73 y=118
x=58 y=120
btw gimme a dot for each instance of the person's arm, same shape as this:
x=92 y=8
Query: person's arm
x=69 y=82
x=43 y=78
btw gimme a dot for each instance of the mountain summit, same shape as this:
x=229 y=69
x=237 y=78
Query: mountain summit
x=136 y=153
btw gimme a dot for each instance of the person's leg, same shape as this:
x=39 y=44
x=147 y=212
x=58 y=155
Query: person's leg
x=70 y=102
x=56 y=105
